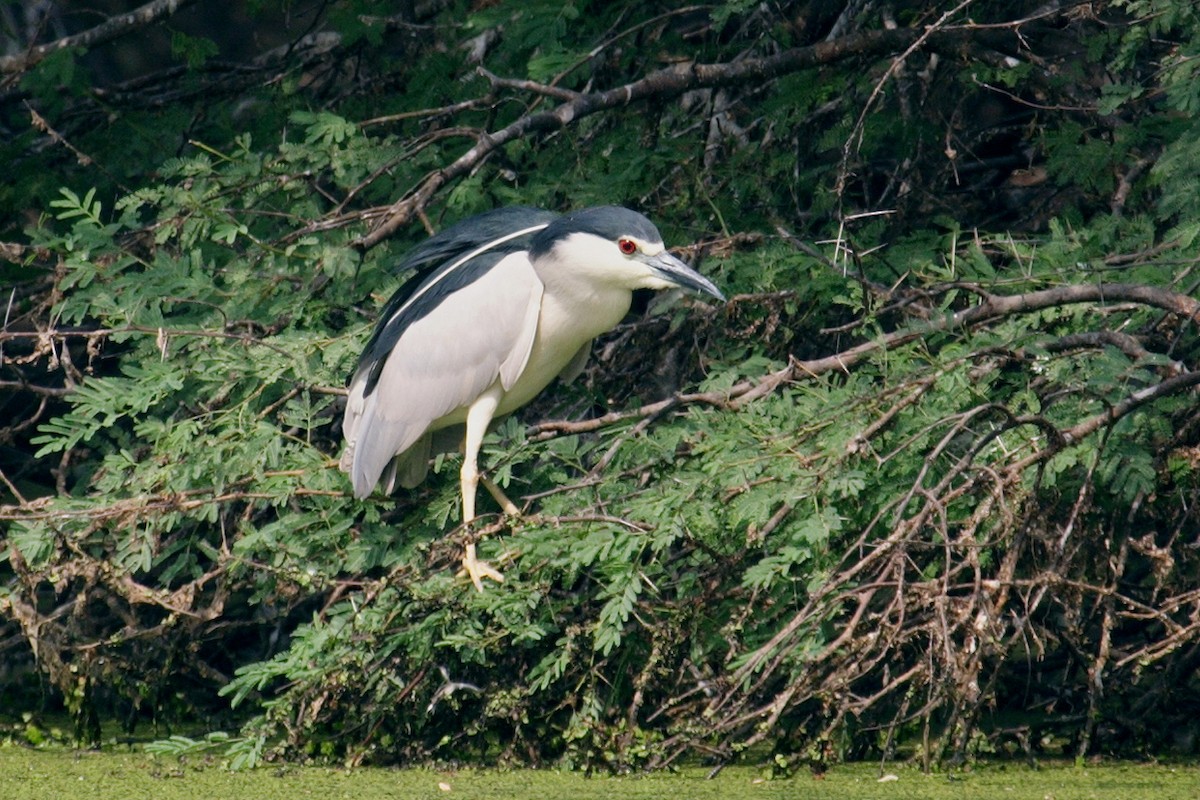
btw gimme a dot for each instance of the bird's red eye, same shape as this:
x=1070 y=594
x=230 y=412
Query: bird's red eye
x=628 y=246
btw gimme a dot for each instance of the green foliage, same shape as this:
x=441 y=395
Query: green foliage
x=876 y=548
x=195 y=50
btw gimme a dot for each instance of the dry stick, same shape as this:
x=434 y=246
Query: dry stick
x=1047 y=11
x=134 y=507
x=830 y=594
x=45 y=391
x=12 y=296
x=12 y=489
x=854 y=140
x=55 y=332
x=735 y=718
x=1104 y=648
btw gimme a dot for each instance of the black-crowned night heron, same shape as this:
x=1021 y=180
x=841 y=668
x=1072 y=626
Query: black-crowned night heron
x=502 y=303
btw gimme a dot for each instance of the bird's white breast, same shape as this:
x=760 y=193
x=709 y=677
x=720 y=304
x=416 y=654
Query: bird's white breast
x=569 y=320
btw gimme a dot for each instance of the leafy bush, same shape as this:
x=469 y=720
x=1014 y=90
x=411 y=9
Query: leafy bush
x=927 y=478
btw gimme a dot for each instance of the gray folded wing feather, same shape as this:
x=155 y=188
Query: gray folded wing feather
x=440 y=364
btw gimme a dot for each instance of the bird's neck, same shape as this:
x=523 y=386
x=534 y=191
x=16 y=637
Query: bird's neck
x=584 y=308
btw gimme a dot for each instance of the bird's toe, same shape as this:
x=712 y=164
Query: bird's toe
x=477 y=570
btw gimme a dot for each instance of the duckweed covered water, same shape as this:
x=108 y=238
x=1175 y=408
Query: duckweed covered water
x=64 y=775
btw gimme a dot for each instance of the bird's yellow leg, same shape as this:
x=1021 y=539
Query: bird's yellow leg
x=479 y=416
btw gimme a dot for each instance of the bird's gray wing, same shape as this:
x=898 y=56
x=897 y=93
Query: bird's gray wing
x=447 y=262
x=439 y=365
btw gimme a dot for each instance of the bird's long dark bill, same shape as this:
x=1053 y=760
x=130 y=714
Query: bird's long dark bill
x=680 y=274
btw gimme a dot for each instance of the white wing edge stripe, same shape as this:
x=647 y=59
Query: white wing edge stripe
x=477 y=251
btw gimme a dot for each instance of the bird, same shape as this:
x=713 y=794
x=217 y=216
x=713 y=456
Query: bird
x=499 y=305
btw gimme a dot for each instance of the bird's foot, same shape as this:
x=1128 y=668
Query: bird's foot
x=477 y=570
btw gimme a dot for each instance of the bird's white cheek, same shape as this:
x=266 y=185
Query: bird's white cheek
x=628 y=274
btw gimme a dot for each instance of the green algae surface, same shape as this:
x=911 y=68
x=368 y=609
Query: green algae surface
x=60 y=774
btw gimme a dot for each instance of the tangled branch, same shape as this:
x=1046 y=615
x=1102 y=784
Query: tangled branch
x=112 y=28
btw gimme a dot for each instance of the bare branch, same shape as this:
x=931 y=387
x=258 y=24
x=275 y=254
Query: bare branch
x=664 y=84
x=994 y=307
x=112 y=28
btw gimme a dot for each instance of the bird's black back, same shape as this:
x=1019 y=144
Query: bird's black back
x=431 y=263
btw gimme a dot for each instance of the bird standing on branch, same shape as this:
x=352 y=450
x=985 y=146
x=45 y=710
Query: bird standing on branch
x=501 y=304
